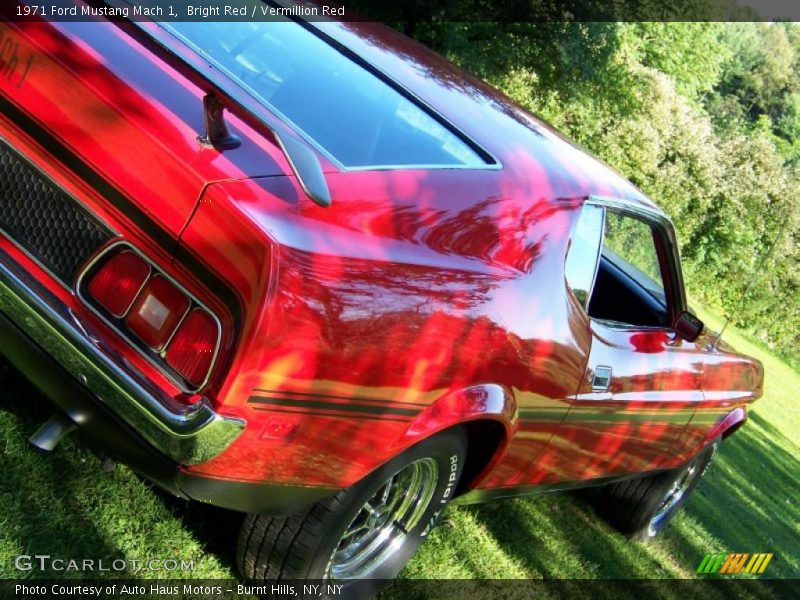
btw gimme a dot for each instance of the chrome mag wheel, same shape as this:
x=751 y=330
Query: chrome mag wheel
x=674 y=496
x=384 y=521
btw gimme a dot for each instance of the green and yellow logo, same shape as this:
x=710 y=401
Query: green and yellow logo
x=735 y=563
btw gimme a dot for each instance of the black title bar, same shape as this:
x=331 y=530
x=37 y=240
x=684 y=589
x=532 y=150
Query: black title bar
x=403 y=11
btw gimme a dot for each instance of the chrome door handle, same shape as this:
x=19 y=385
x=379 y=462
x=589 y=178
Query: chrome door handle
x=601 y=379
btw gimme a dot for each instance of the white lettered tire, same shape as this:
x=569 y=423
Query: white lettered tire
x=365 y=532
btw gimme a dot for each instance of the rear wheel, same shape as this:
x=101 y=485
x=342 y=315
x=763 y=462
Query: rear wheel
x=642 y=507
x=368 y=531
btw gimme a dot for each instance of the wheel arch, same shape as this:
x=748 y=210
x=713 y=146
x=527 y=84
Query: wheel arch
x=727 y=425
x=487 y=412
x=486 y=443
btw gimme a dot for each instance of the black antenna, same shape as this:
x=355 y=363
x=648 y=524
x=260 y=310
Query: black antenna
x=753 y=278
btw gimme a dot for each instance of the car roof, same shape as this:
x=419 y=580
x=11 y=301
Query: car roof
x=525 y=146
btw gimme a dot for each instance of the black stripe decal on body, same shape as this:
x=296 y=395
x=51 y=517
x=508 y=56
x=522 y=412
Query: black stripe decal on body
x=121 y=202
x=44 y=138
x=331 y=414
x=364 y=399
x=345 y=407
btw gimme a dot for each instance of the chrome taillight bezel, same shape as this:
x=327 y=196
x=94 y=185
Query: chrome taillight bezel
x=117 y=324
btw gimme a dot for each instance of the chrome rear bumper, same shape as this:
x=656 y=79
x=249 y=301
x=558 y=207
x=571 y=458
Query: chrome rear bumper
x=184 y=434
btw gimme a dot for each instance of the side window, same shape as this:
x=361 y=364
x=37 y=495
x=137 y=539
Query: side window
x=629 y=287
x=581 y=265
x=631 y=242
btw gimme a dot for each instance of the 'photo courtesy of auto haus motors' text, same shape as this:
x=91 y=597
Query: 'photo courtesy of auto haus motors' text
x=304 y=299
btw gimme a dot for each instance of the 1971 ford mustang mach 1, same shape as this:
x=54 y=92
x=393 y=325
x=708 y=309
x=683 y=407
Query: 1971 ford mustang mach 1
x=314 y=273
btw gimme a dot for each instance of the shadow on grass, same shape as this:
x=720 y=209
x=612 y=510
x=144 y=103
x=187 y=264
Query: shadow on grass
x=217 y=529
x=62 y=504
x=748 y=502
x=555 y=536
x=37 y=493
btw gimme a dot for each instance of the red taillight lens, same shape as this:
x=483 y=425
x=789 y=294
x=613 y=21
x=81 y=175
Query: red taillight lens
x=157 y=311
x=191 y=351
x=115 y=285
x=155 y=314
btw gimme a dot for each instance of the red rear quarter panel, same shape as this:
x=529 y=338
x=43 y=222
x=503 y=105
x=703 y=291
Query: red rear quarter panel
x=117 y=128
x=406 y=307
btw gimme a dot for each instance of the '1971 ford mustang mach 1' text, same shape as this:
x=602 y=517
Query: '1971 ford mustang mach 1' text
x=314 y=273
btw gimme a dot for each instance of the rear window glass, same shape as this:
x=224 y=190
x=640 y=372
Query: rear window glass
x=355 y=116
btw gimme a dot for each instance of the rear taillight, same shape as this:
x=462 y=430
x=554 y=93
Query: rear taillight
x=157 y=315
x=117 y=283
x=157 y=311
x=192 y=349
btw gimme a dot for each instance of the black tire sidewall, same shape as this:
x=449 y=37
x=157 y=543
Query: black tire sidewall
x=448 y=449
x=667 y=480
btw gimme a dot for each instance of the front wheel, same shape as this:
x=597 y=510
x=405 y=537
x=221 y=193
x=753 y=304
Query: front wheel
x=367 y=531
x=642 y=507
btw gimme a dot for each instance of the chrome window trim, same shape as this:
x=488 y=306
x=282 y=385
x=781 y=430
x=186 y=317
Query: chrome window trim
x=596 y=258
x=140 y=347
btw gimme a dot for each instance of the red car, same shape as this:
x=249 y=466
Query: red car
x=314 y=273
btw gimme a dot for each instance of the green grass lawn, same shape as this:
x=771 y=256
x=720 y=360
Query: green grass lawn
x=61 y=504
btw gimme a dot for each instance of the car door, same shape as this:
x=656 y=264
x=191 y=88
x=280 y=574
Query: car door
x=642 y=382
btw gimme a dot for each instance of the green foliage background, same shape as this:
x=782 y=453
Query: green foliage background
x=703 y=116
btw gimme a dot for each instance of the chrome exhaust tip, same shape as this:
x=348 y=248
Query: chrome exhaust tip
x=48 y=436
